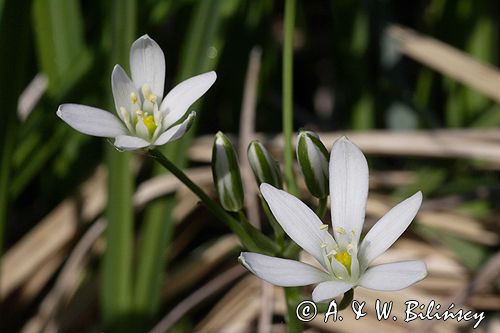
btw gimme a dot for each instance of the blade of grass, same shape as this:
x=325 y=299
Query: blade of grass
x=63 y=58
x=291 y=294
x=61 y=50
x=448 y=61
x=288 y=94
x=15 y=17
x=116 y=286
x=37 y=159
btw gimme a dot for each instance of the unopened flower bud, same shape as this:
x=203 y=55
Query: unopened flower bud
x=313 y=162
x=226 y=173
x=264 y=166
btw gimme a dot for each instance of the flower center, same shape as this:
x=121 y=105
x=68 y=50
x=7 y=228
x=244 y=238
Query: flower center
x=345 y=259
x=143 y=118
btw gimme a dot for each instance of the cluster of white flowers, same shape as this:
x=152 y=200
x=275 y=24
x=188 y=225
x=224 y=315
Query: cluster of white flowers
x=147 y=119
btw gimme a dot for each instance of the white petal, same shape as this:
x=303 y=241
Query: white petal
x=122 y=88
x=179 y=99
x=281 y=272
x=128 y=142
x=394 y=276
x=175 y=132
x=348 y=189
x=147 y=64
x=325 y=291
x=91 y=121
x=298 y=221
x=388 y=229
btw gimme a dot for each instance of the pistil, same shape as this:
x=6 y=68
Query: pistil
x=345 y=259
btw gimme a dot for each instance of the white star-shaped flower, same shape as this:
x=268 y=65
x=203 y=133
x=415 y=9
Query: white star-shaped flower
x=344 y=259
x=145 y=119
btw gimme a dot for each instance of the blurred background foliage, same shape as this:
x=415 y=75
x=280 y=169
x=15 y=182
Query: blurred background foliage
x=348 y=75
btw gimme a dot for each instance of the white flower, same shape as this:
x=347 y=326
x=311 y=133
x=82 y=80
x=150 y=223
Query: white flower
x=145 y=118
x=343 y=258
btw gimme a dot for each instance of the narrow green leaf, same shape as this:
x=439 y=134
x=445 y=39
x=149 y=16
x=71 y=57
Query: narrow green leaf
x=61 y=50
x=14 y=52
x=287 y=77
x=116 y=287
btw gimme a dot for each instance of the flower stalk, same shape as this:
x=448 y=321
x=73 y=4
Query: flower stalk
x=321 y=209
x=214 y=208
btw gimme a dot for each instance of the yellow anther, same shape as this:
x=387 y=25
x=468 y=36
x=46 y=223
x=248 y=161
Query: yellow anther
x=148 y=94
x=149 y=121
x=340 y=230
x=133 y=98
x=323 y=245
x=331 y=253
x=324 y=227
x=345 y=259
x=139 y=113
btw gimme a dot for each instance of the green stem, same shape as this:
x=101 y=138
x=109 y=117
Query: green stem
x=212 y=206
x=265 y=244
x=346 y=300
x=321 y=209
x=243 y=218
x=292 y=296
x=279 y=234
x=288 y=95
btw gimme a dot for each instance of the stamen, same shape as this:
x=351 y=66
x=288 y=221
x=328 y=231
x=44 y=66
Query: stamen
x=133 y=98
x=323 y=245
x=139 y=113
x=349 y=248
x=340 y=230
x=331 y=253
x=148 y=94
x=323 y=227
